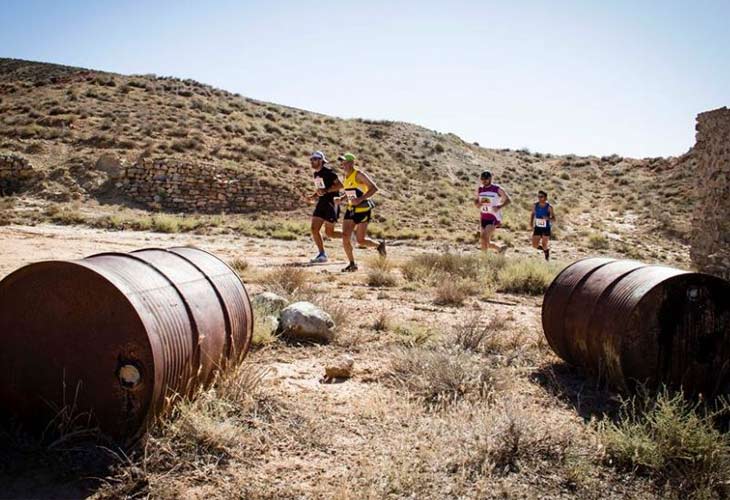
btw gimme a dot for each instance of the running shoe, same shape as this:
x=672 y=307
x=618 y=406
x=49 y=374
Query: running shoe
x=381 y=249
x=319 y=259
x=351 y=268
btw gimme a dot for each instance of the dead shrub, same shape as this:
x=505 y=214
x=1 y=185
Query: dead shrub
x=438 y=376
x=478 y=333
x=287 y=280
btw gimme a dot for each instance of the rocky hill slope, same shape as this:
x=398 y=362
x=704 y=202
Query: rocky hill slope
x=62 y=120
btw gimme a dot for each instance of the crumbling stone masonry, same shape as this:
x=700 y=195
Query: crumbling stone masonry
x=16 y=174
x=711 y=226
x=179 y=186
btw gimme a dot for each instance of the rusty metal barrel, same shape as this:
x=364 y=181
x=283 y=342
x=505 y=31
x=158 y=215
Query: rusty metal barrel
x=625 y=323
x=115 y=335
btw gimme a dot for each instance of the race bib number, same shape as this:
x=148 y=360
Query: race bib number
x=488 y=201
x=351 y=194
x=540 y=223
x=319 y=183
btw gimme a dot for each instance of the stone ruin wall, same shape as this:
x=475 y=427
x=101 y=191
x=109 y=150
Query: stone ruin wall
x=16 y=174
x=711 y=226
x=178 y=186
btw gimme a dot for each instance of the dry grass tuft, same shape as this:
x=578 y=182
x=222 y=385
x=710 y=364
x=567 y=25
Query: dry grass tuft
x=453 y=293
x=287 y=281
x=265 y=323
x=382 y=321
x=526 y=276
x=672 y=440
x=477 y=333
x=240 y=265
x=598 y=241
x=380 y=272
x=440 y=377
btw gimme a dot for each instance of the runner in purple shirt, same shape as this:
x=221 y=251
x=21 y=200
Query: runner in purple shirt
x=490 y=199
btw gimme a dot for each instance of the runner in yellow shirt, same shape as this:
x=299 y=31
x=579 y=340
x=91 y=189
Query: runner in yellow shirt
x=359 y=188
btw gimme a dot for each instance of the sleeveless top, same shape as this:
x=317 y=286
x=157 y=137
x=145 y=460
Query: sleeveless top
x=355 y=189
x=488 y=197
x=542 y=213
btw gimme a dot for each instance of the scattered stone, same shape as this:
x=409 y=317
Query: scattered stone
x=305 y=321
x=341 y=368
x=109 y=164
x=270 y=301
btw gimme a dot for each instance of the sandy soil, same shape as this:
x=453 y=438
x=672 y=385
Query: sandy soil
x=355 y=431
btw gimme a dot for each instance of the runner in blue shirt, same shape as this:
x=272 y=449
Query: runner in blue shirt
x=541 y=219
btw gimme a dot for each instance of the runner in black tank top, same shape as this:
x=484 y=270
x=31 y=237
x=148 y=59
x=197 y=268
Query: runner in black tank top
x=327 y=187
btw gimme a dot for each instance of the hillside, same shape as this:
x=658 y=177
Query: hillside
x=63 y=119
x=454 y=391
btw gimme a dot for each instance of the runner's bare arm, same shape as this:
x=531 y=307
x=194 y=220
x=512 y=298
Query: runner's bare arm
x=372 y=188
x=477 y=201
x=506 y=200
x=532 y=217
x=551 y=213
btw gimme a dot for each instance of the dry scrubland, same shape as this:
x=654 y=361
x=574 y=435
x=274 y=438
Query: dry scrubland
x=455 y=391
x=63 y=119
x=455 y=394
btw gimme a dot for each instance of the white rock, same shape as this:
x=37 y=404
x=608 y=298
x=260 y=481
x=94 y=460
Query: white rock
x=305 y=321
x=270 y=302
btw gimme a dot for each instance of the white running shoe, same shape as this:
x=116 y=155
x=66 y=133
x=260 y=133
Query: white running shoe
x=319 y=259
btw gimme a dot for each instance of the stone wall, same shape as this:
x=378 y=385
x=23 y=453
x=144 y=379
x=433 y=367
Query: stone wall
x=174 y=185
x=16 y=174
x=711 y=226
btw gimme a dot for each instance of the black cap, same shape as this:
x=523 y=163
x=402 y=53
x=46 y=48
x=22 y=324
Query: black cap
x=486 y=175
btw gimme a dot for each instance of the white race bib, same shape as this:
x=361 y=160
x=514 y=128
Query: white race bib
x=319 y=183
x=488 y=200
x=540 y=223
x=351 y=194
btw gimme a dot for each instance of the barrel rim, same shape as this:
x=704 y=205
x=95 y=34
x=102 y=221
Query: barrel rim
x=82 y=264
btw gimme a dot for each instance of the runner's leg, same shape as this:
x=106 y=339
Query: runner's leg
x=330 y=231
x=484 y=238
x=490 y=229
x=546 y=246
x=348 y=225
x=316 y=236
x=361 y=231
x=535 y=240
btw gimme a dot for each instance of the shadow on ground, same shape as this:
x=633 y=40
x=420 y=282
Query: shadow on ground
x=72 y=470
x=587 y=397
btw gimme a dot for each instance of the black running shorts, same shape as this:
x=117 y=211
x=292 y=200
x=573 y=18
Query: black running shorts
x=327 y=211
x=358 y=217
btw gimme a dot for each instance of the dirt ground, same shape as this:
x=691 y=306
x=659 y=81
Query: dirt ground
x=366 y=437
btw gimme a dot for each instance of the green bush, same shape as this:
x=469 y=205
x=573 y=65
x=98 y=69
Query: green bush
x=672 y=440
x=528 y=276
x=598 y=241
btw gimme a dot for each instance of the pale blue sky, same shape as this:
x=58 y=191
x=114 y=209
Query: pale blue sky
x=587 y=77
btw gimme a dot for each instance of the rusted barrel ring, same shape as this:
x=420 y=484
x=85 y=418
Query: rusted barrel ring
x=115 y=335
x=626 y=322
